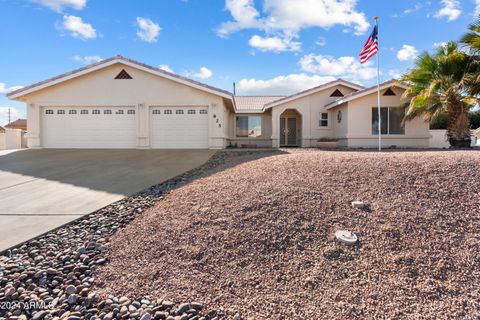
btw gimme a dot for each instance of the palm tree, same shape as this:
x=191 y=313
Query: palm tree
x=471 y=40
x=438 y=84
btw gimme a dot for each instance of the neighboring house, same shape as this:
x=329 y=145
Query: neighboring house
x=18 y=124
x=2 y=129
x=121 y=103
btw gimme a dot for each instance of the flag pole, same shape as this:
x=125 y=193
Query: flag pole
x=378 y=92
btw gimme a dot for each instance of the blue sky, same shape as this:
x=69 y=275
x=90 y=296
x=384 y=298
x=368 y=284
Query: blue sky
x=265 y=46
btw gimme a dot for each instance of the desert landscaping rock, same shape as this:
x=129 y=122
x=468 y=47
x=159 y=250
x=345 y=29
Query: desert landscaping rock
x=347 y=237
x=257 y=239
x=249 y=236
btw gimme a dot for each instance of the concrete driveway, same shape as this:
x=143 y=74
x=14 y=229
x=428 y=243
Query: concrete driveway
x=44 y=189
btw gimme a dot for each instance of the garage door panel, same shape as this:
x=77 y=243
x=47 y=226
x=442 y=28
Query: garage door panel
x=74 y=129
x=179 y=127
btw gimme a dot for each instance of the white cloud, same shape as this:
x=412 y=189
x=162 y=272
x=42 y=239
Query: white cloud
x=60 y=5
x=407 y=53
x=450 y=10
x=477 y=7
x=437 y=45
x=165 y=68
x=87 y=59
x=14 y=115
x=78 y=28
x=147 y=30
x=417 y=7
x=4 y=89
x=344 y=67
x=289 y=17
x=281 y=85
x=204 y=73
x=395 y=74
x=275 y=44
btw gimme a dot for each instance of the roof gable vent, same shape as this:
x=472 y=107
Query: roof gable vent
x=389 y=92
x=123 y=75
x=337 y=93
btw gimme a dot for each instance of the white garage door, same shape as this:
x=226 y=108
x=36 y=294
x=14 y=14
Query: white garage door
x=179 y=127
x=88 y=127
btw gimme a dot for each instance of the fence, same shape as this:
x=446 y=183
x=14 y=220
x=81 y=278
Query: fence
x=438 y=139
x=12 y=139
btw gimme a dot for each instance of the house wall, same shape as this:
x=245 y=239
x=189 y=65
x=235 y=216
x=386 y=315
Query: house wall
x=360 y=124
x=144 y=90
x=264 y=141
x=310 y=108
x=11 y=139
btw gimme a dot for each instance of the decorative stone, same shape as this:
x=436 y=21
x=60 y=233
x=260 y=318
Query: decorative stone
x=346 y=237
x=358 y=204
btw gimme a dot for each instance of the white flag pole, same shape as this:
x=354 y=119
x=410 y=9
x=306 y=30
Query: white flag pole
x=378 y=91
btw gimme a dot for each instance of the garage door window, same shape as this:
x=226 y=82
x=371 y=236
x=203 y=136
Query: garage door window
x=179 y=112
x=84 y=112
x=156 y=112
x=131 y=112
x=72 y=111
x=60 y=111
x=119 y=112
x=203 y=111
x=96 y=112
x=48 y=111
x=167 y=112
x=108 y=111
x=191 y=111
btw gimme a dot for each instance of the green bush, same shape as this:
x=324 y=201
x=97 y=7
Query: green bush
x=441 y=121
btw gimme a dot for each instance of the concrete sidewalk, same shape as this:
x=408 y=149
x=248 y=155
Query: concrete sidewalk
x=44 y=189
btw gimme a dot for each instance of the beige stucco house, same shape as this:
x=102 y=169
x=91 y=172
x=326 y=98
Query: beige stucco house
x=121 y=103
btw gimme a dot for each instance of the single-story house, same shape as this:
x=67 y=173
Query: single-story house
x=122 y=103
x=18 y=124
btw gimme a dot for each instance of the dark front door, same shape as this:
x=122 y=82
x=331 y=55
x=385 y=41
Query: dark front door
x=288 y=132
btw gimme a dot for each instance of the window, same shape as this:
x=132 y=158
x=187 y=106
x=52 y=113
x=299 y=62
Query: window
x=191 y=111
x=168 y=111
x=48 y=111
x=119 y=112
x=248 y=126
x=72 y=111
x=392 y=118
x=96 y=111
x=323 y=122
x=107 y=111
x=83 y=111
x=179 y=111
x=60 y=111
x=203 y=111
x=156 y=112
x=131 y=111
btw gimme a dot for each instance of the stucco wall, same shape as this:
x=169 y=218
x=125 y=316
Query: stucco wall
x=360 y=124
x=438 y=139
x=11 y=139
x=100 y=89
x=264 y=141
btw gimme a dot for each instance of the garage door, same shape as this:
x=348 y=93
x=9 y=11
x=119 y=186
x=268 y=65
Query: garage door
x=88 y=127
x=179 y=127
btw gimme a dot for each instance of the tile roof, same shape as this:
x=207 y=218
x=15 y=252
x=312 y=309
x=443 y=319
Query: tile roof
x=17 y=124
x=253 y=103
x=119 y=58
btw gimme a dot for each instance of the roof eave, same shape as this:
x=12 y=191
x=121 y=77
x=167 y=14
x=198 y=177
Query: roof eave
x=106 y=63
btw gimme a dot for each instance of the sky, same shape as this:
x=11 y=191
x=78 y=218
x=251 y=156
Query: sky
x=268 y=47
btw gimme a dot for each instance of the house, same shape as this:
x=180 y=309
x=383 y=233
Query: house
x=122 y=103
x=18 y=124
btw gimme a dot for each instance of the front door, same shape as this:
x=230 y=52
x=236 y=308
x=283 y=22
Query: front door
x=288 y=132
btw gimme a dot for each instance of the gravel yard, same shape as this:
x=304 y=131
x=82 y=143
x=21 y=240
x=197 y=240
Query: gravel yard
x=257 y=239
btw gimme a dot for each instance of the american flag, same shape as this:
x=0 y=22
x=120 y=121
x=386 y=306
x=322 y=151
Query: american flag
x=371 y=46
